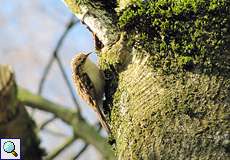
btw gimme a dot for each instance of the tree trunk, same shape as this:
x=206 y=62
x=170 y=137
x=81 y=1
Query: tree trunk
x=15 y=122
x=168 y=76
x=179 y=116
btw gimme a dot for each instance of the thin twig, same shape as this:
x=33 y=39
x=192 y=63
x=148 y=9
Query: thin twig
x=55 y=133
x=80 y=152
x=68 y=83
x=61 y=148
x=46 y=71
x=42 y=126
x=54 y=56
x=86 y=145
x=70 y=24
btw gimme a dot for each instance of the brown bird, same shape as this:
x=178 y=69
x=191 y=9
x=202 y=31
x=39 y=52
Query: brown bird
x=89 y=82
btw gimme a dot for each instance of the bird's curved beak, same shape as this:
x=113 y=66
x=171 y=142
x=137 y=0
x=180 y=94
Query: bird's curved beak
x=88 y=54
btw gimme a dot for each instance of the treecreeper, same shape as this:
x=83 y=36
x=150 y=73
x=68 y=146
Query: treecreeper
x=89 y=82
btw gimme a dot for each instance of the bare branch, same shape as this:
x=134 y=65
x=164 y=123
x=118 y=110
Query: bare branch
x=80 y=127
x=38 y=102
x=61 y=148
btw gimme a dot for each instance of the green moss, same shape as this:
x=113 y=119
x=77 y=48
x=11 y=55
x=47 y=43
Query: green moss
x=185 y=61
x=115 y=118
x=178 y=32
x=107 y=59
x=116 y=56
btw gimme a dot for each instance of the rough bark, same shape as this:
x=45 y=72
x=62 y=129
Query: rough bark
x=98 y=16
x=168 y=79
x=14 y=119
x=180 y=116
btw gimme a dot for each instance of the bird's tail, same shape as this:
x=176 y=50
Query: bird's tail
x=103 y=121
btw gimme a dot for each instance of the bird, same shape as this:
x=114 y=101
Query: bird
x=89 y=82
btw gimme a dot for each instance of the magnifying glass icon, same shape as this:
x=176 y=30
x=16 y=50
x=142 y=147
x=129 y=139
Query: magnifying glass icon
x=9 y=147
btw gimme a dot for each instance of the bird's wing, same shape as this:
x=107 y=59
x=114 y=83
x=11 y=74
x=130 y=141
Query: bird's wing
x=88 y=93
x=87 y=90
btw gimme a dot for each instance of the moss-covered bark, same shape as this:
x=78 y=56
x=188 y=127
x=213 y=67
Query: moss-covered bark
x=168 y=80
x=173 y=95
x=179 y=116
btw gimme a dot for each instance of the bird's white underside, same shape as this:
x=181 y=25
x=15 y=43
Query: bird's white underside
x=95 y=76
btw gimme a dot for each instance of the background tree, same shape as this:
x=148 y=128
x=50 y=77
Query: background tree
x=59 y=139
x=168 y=66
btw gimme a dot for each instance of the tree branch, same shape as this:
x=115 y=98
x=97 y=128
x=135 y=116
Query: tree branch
x=61 y=148
x=97 y=16
x=81 y=128
x=38 y=102
x=15 y=122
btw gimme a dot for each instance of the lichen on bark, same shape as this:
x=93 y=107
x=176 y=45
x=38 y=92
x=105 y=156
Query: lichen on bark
x=168 y=79
x=171 y=116
x=172 y=99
